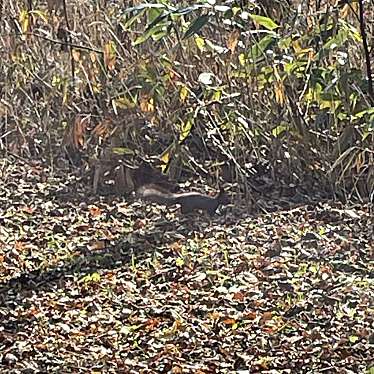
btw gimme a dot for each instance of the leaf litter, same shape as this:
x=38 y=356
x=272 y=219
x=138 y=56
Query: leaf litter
x=108 y=285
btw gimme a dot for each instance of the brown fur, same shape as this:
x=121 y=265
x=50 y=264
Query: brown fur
x=188 y=201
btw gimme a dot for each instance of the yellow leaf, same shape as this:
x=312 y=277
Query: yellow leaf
x=242 y=59
x=233 y=40
x=279 y=92
x=351 y=8
x=165 y=156
x=124 y=102
x=146 y=104
x=110 y=55
x=183 y=93
x=185 y=130
x=200 y=43
x=179 y=262
x=24 y=20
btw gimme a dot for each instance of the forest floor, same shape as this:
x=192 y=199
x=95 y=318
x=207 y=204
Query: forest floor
x=105 y=285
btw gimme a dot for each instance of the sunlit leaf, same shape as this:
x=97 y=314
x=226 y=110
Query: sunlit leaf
x=206 y=78
x=233 y=40
x=124 y=102
x=185 y=130
x=179 y=262
x=266 y=22
x=122 y=151
x=200 y=43
x=110 y=55
x=24 y=20
x=165 y=156
x=183 y=93
x=365 y=112
x=146 y=104
x=279 y=130
x=279 y=92
x=40 y=14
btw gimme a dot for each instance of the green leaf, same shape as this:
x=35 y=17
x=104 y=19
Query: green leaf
x=337 y=41
x=156 y=16
x=196 y=26
x=122 y=151
x=266 y=22
x=154 y=30
x=278 y=130
x=259 y=48
x=364 y=112
x=126 y=25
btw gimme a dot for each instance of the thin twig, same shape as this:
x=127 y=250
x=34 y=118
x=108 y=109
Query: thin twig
x=366 y=50
x=69 y=39
x=71 y=45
